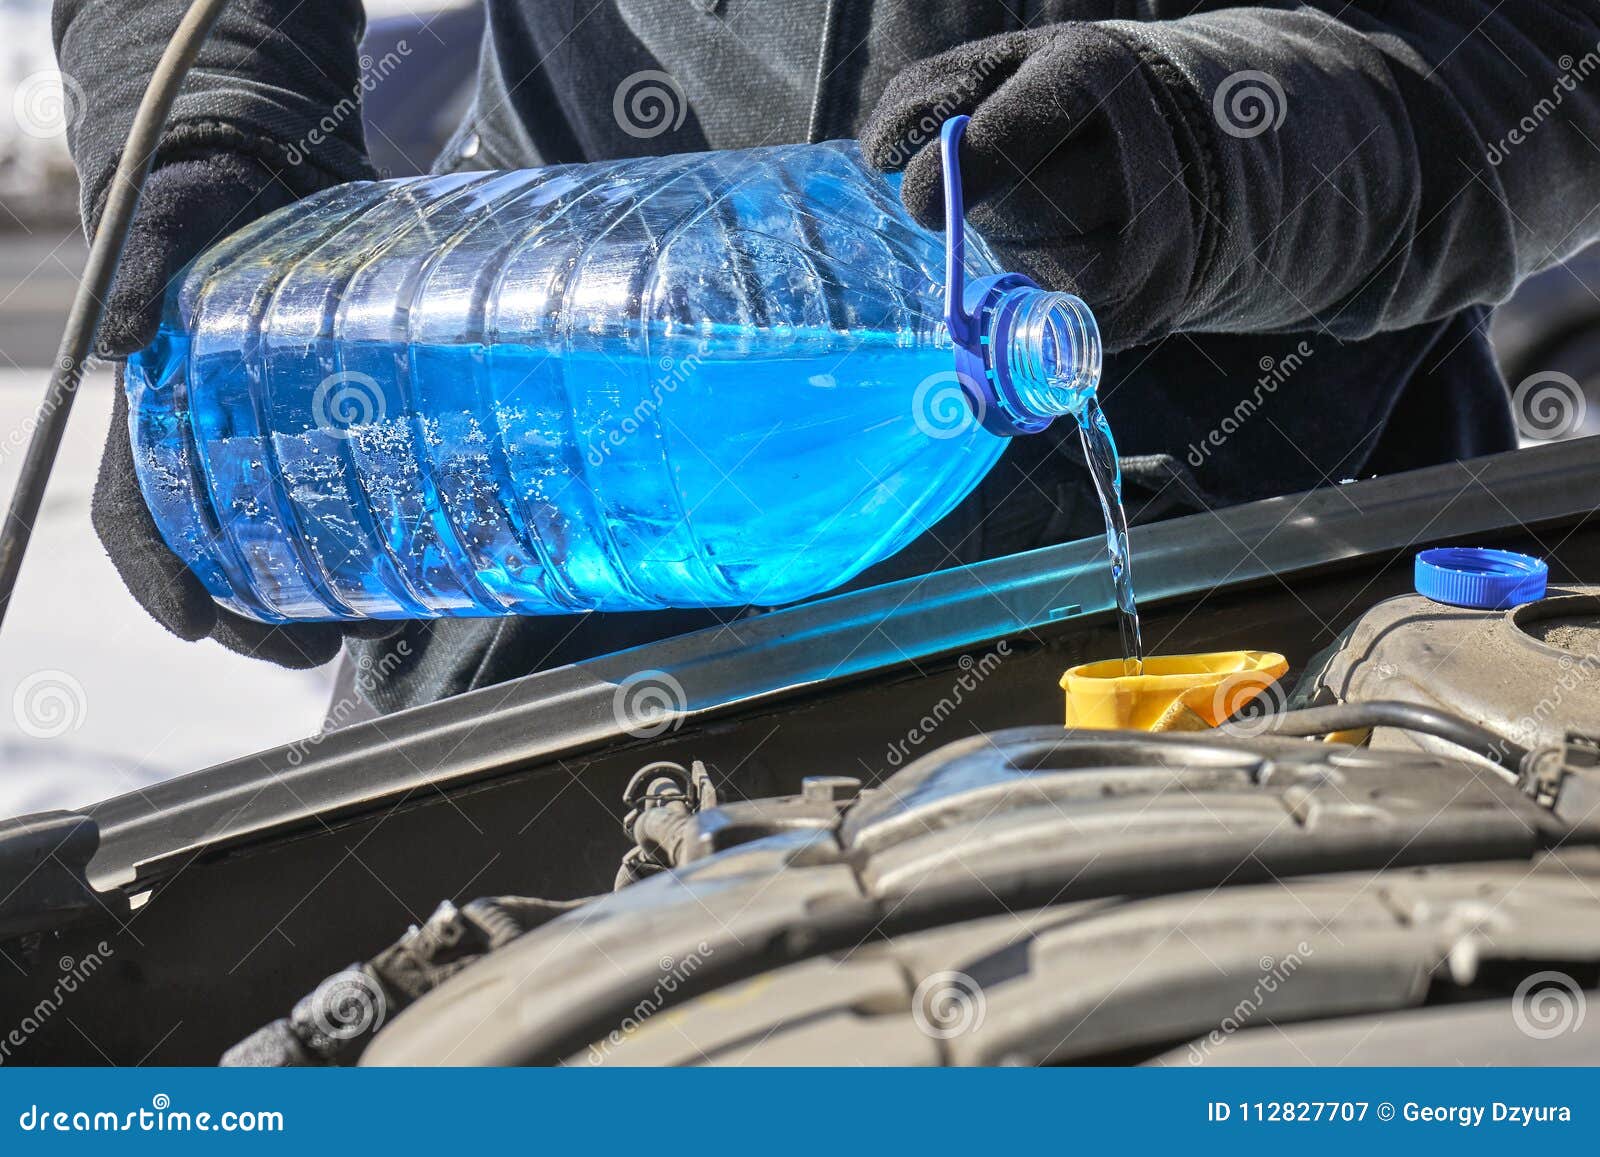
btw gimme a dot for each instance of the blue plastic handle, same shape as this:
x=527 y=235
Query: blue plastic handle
x=968 y=308
x=963 y=326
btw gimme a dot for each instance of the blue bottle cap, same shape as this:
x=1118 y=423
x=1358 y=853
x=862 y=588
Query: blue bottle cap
x=1480 y=578
x=987 y=315
x=965 y=306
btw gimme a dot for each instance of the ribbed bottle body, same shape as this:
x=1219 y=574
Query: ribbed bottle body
x=707 y=380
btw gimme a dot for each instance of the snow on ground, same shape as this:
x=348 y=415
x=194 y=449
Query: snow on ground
x=95 y=698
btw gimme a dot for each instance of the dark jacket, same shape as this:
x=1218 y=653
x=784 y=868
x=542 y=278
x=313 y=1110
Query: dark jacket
x=1434 y=153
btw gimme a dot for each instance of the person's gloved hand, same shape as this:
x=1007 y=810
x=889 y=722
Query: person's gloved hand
x=1077 y=167
x=187 y=205
x=268 y=112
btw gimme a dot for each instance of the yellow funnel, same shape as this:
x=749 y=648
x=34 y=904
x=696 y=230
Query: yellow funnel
x=1173 y=692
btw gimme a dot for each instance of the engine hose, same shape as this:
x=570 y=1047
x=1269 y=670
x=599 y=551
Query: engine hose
x=1463 y=733
x=105 y=253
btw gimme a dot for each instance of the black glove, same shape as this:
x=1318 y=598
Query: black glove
x=1076 y=167
x=1282 y=168
x=268 y=113
x=187 y=205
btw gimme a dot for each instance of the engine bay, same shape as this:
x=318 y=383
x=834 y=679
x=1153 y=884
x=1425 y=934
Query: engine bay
x=876 y=789
x=1048 y=896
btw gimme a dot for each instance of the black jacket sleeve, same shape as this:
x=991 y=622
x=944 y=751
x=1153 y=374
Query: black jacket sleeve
x=277 y=80
x=1375 y=164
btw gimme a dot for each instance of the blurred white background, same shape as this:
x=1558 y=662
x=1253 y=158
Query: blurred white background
x=95 y=699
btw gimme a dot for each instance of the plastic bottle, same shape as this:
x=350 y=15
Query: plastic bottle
x=706 y=380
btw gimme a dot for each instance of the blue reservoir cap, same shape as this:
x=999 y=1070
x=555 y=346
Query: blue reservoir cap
x=1480 y=578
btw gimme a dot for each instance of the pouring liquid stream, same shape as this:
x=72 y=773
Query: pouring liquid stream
x=1100 y=452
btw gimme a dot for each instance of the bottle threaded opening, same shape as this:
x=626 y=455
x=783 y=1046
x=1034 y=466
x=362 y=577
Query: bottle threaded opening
x=1047 y=346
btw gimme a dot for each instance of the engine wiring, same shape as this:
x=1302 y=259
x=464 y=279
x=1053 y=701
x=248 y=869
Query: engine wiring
x=1308 y=722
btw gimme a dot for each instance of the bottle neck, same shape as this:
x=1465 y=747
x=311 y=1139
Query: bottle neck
x=1046 y=353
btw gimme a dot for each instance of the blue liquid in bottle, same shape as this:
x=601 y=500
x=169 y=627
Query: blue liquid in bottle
x=688 y=381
